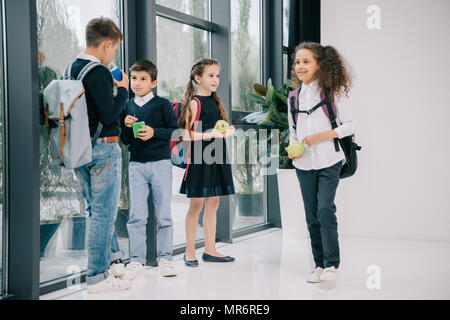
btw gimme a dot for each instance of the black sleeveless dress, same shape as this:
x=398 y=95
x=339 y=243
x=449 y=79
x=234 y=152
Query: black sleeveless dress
x=209 y=174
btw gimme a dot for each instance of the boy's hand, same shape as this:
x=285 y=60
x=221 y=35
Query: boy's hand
x=146 y=133
x=292 y=158
x=125 y=82
x=129 y=120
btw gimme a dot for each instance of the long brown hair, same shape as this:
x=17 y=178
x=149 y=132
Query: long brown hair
x=333 y=75
x=197 y=70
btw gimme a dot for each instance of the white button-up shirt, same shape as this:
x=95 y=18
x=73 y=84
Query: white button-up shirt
x=89 y=57
x=322 y=154
x=140 y=101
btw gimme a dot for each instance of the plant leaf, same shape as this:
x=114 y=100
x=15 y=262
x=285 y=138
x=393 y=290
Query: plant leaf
x=257 y=99
x=259 y=89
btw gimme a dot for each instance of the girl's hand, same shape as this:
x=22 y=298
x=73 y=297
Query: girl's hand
x=292 y=158
x=216 y=134
x=231 y=130
x=146 y=133
x=129 y=120
x=313 y=139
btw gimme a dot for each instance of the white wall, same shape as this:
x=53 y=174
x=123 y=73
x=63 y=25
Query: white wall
x=401 y=104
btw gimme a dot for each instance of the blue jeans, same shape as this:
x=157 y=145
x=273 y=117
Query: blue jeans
x=156 y=175
x=318 y=189
x=100 y=182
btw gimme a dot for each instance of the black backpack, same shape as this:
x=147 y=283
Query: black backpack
x=348 y=145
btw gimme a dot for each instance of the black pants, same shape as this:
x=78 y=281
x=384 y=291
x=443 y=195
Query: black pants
x=318 y=191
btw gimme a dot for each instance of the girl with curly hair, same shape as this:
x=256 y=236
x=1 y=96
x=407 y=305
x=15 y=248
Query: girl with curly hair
x=321 y=74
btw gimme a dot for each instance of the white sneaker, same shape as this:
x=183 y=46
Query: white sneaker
x=329 y=275
x=134 y=270
x=167 y=268
x=110 y=284
x=314 y=277
x=117 y=270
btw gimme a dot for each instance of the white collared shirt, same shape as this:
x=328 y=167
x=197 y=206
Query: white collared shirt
x=140 y=101
x=323 y=154
x=89 y=57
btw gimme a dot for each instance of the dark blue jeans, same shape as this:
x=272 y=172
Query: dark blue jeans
x=318 y=191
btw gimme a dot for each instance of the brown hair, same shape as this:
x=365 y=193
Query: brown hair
x=100 y=29
x=197 y=70
x=333 y=75
x=147 y=66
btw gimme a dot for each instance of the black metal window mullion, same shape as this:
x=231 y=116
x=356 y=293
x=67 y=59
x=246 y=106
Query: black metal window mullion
x=184 y=18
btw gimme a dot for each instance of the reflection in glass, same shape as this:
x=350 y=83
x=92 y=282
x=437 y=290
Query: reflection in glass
x=248 y=202
x=196 y=8
x=286 y=72
x=245 y=51
x=286 y=5
x=175 y=59
x=61 y=37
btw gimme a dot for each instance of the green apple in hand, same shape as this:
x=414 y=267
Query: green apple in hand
x=295 y=149
x=222 y=126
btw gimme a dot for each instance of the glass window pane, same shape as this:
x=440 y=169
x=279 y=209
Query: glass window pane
x=175 y=59
x=286 y=5
x=64 y=223
x=245 y=52
x=248 y=201
x=2 y=225
x=196 y=8
x=286 y=72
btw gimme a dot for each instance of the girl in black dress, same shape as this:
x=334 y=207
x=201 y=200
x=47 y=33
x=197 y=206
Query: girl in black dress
x=209 y=173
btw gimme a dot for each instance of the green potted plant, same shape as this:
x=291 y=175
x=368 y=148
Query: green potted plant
x=50 y=214
x=249 y=185
x=51 y=217
x=275 y=116
x=123 y=213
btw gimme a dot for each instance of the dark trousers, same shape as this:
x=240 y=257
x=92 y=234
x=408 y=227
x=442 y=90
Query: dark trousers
x=318 y=191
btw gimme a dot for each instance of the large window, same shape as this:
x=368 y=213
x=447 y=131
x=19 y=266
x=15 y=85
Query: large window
x=248 y=202
x=64 y=222
x=175 y=59
x=2 y=167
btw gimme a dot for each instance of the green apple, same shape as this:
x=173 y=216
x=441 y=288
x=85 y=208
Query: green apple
x=295 y=149
x=222 y=126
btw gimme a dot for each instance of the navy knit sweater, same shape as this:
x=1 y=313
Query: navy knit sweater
x=101 y=104
x=158 y=114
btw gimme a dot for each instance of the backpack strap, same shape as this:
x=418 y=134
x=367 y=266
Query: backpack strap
x=67 y=73
x=83 y=73
x=88 y=67
x=293 y=101
x=330 y=112
x=196 y=121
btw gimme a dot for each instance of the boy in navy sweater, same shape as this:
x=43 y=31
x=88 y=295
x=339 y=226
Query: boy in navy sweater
x=150 y=167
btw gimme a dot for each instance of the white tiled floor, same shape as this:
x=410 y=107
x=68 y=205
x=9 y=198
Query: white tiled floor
x=270 y=267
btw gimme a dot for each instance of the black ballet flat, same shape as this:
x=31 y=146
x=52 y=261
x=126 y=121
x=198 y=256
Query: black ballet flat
x=209 y=258
x=192 y=263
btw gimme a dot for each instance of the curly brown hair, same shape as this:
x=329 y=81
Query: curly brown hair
x=333 y=76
